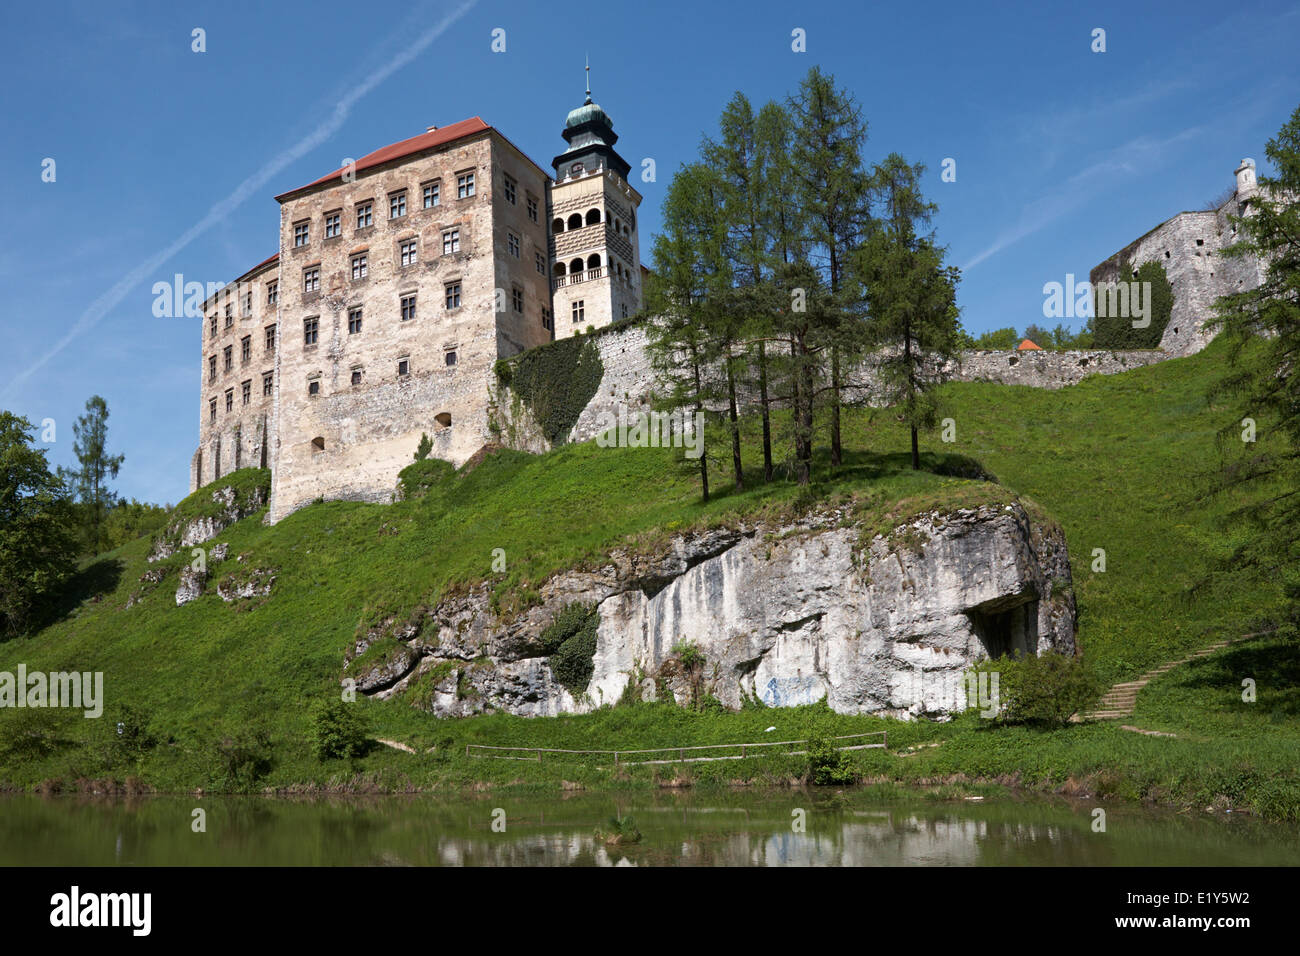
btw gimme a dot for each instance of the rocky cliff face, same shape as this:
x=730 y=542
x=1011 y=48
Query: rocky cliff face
x=786 y=614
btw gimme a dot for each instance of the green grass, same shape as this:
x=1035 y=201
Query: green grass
x=1117 y=460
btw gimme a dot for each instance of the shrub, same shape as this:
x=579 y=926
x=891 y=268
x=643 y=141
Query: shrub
x=338 y=731
x=415 y=480
x=422 y=450
x=243 y=759
x=1042 y=690
x=573 y=636
x=827 y=765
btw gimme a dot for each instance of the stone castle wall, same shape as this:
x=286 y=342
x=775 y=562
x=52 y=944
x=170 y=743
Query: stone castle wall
x=629 y=381
x=1190 y=247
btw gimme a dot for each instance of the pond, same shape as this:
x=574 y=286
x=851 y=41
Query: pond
x=733 y=828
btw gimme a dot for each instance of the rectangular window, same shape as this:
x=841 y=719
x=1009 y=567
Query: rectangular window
x=212 y=327
x=228 y=358
x=453 y=295
x=509 y=184
x=313 y=386
x=432 y=194
x=310 y=330
x=547 y=321
x=267 y=378
x=539 y=261
x=464 y=185
x=408 y=308
x=270 y=338
x=246 y=348
x=333 y=225
x=404 y=366
x=365 y=215
x=230 y=399
x=212 y=368
x=579 y=311
x=517 y=299
x=449 y=357
x=359 y=266
x=311 y=279
x=512 y=243
x=397 y=205
x=212 y=409
x=246 y=391
x=409 y=252
x=301 y=233
x=272 y=293
x=356 y=376
x=230 y=317
x=624 y=307
x=532 y=208
x=247 y=305
x=450 y=242
x=354 y=321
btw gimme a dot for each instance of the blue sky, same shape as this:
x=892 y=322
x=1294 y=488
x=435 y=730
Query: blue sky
x=168 y=160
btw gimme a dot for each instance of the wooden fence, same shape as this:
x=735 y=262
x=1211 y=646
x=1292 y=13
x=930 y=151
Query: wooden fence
x=746 y=750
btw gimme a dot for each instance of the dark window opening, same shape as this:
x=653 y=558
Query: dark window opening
x=443 y=419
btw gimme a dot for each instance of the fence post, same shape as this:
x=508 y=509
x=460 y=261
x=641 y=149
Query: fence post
x=539 y=754
x=681 y=756
x=615 y=759
x=467 y=750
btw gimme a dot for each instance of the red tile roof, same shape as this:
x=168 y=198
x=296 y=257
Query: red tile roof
x=406 y=147
x=1027 y=345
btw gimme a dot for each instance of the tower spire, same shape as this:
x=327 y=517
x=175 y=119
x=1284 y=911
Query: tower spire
x=588 y=61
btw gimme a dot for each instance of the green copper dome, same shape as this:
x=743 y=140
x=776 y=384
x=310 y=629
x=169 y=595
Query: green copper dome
x=587 y=113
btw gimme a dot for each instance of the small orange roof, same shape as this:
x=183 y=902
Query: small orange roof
x=1027 y=345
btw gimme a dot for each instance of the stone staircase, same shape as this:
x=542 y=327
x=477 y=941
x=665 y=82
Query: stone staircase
x=1120 y=700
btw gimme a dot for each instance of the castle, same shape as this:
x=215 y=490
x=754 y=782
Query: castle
x=400 y=280
x=404 y=277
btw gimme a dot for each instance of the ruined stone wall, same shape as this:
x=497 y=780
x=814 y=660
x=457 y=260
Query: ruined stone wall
x=1190 y=247
x=629 y=381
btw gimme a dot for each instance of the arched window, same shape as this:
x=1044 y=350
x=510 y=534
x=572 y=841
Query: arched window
x=617 y=228
x=559 y=268
x=593 y=261
x=593 y=216
x=575 y=266
x=557 y=225
x=443 y=419
x=575 y=221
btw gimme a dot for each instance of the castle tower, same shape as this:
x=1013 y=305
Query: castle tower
x=595 y=248
x=1246 y=185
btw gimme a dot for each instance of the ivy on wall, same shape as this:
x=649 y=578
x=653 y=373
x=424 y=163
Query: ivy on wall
x=1117 y=331
x=555 y=381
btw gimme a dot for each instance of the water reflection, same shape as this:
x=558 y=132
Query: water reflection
x=743 y=828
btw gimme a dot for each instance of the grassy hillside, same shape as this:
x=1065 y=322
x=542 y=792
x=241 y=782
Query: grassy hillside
x=225 y=689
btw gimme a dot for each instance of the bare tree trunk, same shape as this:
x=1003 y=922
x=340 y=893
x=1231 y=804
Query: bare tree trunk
x=767 y=420
x=837 y=456
x=735 y=424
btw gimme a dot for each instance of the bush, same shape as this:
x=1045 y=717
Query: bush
x=827 y=765
x=131 y=737
x=243 y=759
x=338 y=731
x=415 y=480
x=1042 y=690
x=571 y=641
x=422 y=450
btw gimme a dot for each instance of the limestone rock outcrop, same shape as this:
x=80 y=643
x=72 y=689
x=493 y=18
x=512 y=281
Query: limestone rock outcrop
x=787 y=614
